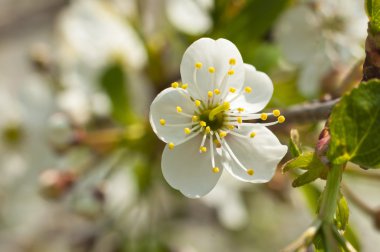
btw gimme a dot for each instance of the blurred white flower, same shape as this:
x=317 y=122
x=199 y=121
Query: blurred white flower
x=92 y=31
x=92 y=36
x=318 y=36
x=204 y=120
x=76 y=104
x=22 y=120
x=60 y=131
x=232 y=213
x=121 y=191
x=190 y=16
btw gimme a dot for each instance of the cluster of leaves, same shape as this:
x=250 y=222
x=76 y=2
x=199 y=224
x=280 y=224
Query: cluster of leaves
x=352 y=137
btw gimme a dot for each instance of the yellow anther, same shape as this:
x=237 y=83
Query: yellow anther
x=281 y=119
x=162 y=122
x=179 y=109
x=175 y=84
x=202 y=123
x=252 y=135
x=264 y=116
x=217 y=143
x=211 y=69
x=184 y=86
x=207 y=130
x=239 y=119
x=232 y=90
x=240 y=109
x=231 y=72
x=250 y=172
x=203 y=149
x=187 y=131
x=195 y=118
x=217 y=91
x=222 y=134
x=171 y=146
x=198 y=65
x=215 y=170
x=248 y=89
x=276 y=112
x=209 y=94
x=231 y=127
x=198 y=103
x=232 y=61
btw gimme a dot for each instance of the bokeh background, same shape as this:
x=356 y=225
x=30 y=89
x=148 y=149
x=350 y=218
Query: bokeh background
x=79 y=163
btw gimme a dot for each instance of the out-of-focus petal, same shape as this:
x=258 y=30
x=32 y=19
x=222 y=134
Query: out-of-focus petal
x=296 y=34
x=188 y=16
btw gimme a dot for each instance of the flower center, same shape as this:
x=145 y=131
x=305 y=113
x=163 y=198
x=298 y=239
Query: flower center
x=214 y=117
x=216 y=123
x=334 y=24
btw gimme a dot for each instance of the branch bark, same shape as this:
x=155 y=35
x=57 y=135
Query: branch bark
x=309 y=112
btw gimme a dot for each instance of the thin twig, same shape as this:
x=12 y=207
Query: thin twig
x=310 y=112
x=305 y=239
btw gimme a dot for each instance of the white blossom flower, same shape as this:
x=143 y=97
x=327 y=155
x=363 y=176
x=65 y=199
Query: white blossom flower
x=92 y=35
x=191 y=17
x=204 y=120
x=318 y=36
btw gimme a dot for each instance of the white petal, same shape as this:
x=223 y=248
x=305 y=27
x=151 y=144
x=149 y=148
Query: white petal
x=211 y=53
x=185 y=169
x=164 y=107
x=311 y=75
x=297 y=33
x=94 y=33
x=261 y=153
x=262 y=90
x=188 y=16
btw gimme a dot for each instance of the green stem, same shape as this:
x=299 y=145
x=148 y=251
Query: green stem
x=331 y=193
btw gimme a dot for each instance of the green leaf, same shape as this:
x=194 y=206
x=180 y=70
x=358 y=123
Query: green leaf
x=315 y=169
x=113 y=82
x=373 y=12
x=355 y=127
x=308 y=176
x=294 y=148
x=307 y=161
x=255 y=17
x=301 y=162
x=342 y=214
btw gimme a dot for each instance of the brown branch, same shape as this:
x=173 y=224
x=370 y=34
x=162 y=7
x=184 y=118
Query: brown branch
x=309 y=112
x=371 y=67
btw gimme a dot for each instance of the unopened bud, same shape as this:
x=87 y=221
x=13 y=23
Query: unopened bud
x=54 y=183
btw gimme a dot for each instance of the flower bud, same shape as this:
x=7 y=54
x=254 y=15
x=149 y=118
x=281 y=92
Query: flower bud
x=54 y=183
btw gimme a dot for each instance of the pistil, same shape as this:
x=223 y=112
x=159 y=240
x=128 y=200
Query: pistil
x=223 y=107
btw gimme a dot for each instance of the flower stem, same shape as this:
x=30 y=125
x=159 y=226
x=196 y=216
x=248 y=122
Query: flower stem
x=331 y=193
x=328 y=206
